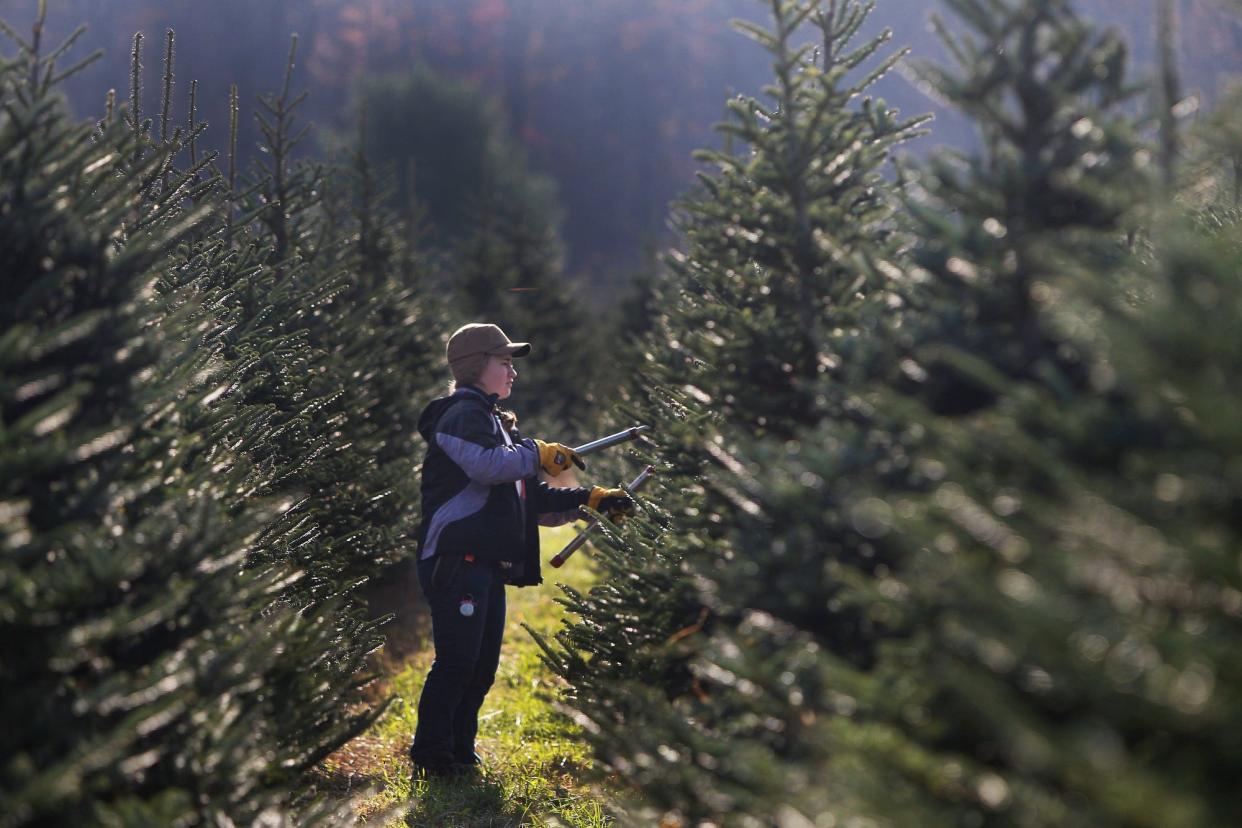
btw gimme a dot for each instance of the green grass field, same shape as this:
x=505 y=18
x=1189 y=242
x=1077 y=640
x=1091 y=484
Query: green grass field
x=533 y=756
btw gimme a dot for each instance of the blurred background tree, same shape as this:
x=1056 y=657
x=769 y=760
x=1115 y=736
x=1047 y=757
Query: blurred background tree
x=639 y=83
x=494 y=226
x=447 y=146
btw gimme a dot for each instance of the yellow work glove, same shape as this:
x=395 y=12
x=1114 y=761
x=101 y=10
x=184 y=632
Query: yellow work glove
x=554 y=458
x=615 y=504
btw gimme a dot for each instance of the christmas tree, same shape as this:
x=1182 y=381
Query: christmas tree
x=787 y=270
x=136 y=651
x=496 y=226
x=191 y=502
x=981 y=580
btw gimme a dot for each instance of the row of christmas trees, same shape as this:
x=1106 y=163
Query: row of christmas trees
x=209 y=385
x=948 y=530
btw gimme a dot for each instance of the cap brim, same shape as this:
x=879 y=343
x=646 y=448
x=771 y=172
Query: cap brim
x=513 y=349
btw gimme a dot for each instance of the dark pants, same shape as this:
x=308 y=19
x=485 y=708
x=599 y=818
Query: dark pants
x=467 y=654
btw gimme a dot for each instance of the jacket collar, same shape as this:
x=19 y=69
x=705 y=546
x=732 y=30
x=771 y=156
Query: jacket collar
x=490 y=400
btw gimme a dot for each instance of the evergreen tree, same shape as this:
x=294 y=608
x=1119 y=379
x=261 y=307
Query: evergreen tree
x=192 y=501
x=509 y=271
x=1070 y=669
x=447 y=145
x=397 y=337
x=1007 y=516
x=1049 y=192
x=1052 y=588
x=1067 y=573
x=496 y=224
x=777 y=241
x=253 y=303
x=135 y=655
x=787 y=272
x=329 y=343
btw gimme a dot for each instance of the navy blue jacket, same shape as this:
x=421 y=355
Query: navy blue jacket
x=470 y=500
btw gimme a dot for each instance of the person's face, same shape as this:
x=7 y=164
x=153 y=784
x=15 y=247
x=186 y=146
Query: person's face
x=498 y=376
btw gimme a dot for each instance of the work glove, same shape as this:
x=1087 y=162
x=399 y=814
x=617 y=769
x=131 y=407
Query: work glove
x=554 y=458
x=615 y=504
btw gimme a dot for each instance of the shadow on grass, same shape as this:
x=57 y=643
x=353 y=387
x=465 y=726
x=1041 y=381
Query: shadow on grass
x=463 y=803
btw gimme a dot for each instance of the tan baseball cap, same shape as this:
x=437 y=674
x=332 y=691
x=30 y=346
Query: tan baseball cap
x=475 y=339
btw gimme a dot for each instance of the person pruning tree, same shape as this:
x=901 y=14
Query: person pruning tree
x=482 y=505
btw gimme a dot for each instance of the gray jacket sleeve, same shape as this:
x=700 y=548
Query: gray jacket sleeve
x=471 y=438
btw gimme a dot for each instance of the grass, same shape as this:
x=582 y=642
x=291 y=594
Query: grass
x=534 y=758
